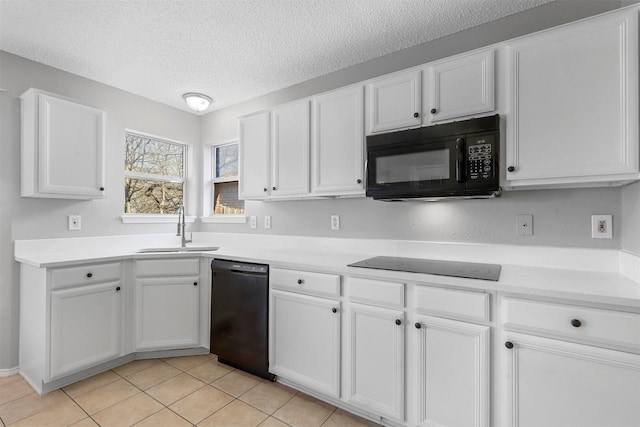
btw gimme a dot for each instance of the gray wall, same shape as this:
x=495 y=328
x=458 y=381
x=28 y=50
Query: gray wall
x=629 y=226
x=561 y=217
x=31 y=218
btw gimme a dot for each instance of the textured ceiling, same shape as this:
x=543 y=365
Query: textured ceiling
x=232 y=50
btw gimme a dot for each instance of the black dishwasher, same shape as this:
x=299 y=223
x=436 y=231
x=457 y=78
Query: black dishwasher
x=240 y=315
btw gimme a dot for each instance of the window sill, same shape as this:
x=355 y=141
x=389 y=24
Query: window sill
x=224 y=219
x=153 y=219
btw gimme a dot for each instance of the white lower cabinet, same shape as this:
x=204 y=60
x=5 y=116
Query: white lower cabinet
x=556 y=383
x=453 y=373
x=71 y=319
x=168 y=305
x=86 y=326
x=305 y=340
x=376 y=365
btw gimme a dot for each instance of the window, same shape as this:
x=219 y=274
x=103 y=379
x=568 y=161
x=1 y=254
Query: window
x=154 y=176
x=225 y=180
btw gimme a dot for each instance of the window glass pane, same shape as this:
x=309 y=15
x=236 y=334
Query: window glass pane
x=226 y=161
x=152 y=197
x=225 y=195
x=146 y=155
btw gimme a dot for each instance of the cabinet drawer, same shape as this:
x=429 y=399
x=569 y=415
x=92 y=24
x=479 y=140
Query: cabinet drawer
x=377 y=292
x=584 y=323
x=305 y=282
x=455 y=303
x=85 y=274
x=167 y=267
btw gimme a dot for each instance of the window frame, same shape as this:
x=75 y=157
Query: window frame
x=210 y=180
x=146 y=218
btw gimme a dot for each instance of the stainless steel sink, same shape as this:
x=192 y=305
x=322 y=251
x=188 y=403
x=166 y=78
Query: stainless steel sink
x=178 y=249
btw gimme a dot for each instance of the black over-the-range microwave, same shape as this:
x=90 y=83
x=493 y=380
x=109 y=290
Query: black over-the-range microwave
x=452 y=160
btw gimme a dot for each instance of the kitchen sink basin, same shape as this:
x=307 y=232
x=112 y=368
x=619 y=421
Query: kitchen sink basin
x=178 y=249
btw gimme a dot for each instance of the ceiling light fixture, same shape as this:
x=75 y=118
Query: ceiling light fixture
x=197 y=101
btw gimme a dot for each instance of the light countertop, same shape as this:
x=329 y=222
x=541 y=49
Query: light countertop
x=555 y=278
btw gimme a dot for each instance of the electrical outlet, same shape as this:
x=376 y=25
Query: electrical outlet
x=253 y=221
x=602 y=226
x=335 y=222
x=267 y=222
x=524 y=225
x=74 y=223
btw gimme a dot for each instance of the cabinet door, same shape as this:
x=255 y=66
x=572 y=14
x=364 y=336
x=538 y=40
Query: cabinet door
x=461 y=87
x=290 y=150
x=338 y=142
x=167 y=313
x=304 y=341
x=574 y=96
x=254 y=147
x=554 y=383
x=86 y=327
x=453 y=373
x=395 y=102
x=375 y=374
x=62 y=147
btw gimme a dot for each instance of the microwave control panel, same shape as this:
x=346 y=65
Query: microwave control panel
x=481 y=158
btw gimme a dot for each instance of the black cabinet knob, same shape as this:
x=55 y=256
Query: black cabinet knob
x=418 y=325
x=398 y=322
x=576 y=323
x=433 y=111
x=273 y=188
x=89 y=275
x=118 y=288
x=359 y=181
x=334 y=310
x=300 y=281
x=511 y=169
x=416 y=115
x=508 y=344
x=195 y=283
x=265 y=189
x=101 y=188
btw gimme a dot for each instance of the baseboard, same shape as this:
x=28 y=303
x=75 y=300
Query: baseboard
x=7 y=372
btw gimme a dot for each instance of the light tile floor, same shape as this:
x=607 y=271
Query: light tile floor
x=175 y=392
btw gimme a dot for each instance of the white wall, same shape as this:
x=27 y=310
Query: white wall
x=561 y=217
x=31 y=218
x=629 y=226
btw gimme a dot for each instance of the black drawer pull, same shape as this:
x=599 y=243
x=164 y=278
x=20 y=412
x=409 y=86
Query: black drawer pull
x=509 y=345
x=418 y=325
x=118 y=288
x=300 y=281
x=398 y=322
x=334 y=310
x=195 y=283
x=89 y=275
x=576 y=323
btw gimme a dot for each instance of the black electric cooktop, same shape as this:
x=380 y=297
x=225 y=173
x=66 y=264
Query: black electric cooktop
x=469 y=270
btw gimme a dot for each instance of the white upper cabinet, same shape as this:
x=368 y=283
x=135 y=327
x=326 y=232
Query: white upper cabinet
x=460 y=87
x=255 y=142
x=574 y=99
x=338 y=142
x=394 y=102
x=62 y=147
x=290 y=150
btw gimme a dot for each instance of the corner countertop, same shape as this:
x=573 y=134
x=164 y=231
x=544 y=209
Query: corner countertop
x=542 y=272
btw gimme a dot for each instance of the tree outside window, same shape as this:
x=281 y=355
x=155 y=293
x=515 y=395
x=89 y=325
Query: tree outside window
x=154 y=175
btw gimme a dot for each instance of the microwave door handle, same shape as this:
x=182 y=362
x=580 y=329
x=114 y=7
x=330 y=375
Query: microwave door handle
x=460 y=161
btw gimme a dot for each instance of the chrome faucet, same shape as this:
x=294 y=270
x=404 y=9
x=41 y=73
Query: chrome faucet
x=181 y=228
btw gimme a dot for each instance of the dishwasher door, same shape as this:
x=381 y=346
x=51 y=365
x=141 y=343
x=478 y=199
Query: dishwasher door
x=240 y=315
